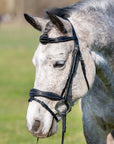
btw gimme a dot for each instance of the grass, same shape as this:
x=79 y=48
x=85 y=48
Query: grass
x=17 y=46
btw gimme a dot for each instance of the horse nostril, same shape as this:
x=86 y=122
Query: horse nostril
x=36 y=125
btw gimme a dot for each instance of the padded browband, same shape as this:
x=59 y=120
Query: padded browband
x=44 y=39
x=49 y=95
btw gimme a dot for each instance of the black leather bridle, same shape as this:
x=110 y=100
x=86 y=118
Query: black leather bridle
x=62 y=99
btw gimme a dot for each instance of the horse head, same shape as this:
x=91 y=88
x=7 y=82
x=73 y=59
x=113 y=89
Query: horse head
x=53 y=62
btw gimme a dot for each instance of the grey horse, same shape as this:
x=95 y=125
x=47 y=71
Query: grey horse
x=93 y=21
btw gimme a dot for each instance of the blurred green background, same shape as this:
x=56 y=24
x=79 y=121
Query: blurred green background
x=18 y=42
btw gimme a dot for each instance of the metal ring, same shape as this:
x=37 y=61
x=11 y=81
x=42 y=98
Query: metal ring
x=62 y=103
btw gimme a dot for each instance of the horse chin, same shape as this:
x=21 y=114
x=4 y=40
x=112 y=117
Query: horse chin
x=52 y=131
x=53 y=128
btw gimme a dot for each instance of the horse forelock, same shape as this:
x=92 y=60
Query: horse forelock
x=48 y=27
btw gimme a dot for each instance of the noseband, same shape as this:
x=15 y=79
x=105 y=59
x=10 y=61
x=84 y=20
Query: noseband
x=63 y=99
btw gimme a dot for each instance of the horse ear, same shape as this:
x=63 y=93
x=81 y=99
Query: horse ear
x=36 y=22
x=58 y=22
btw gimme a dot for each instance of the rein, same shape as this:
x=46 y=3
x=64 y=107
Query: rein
x=63 y=99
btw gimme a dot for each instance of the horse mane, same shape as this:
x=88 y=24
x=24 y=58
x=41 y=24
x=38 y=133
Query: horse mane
x=96 y=5
x=83 y=6
x=63 y=12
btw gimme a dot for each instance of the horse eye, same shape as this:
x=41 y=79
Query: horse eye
x=59 y=64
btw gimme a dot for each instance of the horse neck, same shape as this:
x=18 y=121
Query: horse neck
x=96 y=31
x=99 y=94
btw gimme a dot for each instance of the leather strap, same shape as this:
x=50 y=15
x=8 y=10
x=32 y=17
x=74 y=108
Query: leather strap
x=45 y=106
x=37 y=93
x=44 y=39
